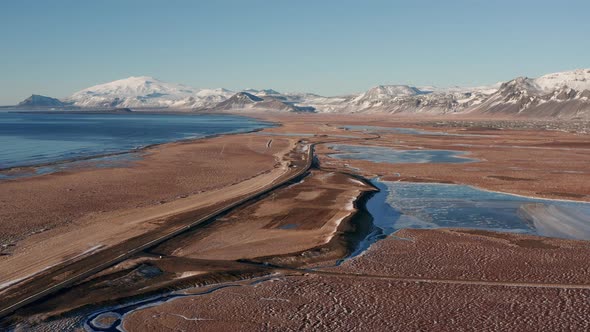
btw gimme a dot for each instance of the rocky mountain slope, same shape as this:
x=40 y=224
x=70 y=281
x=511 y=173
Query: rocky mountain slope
x=244 y=101
x=402 y=99
x=563 y=95
x=40 y=101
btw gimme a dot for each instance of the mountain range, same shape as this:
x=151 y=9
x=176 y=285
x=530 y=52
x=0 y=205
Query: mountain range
x=564 y=95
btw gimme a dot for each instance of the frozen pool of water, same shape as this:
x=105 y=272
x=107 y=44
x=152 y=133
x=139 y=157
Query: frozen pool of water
x=401 y=205
x=433 y=205
x=381 y=154
x=408 y=131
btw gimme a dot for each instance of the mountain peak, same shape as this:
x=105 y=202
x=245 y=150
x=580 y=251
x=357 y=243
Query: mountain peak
x=41 y=101
x=139 y=80
x=245 y=96
x=382 y=93
x=263 y=92
x=147 y=92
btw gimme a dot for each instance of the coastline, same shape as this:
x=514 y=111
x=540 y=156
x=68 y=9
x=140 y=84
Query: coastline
x=89 y=206
x=140 y=148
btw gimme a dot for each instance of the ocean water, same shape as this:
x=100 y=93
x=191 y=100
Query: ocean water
x=28 y=139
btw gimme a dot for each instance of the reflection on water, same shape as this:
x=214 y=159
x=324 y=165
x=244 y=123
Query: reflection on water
x=381 y=154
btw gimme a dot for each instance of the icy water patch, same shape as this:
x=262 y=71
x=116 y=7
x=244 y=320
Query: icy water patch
x=433 y=205
x=381 y=154
x=407 y=131
x=383 y=217
x=401 y=205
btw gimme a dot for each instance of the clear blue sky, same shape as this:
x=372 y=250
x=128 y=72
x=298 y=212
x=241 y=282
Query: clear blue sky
x=329 y=47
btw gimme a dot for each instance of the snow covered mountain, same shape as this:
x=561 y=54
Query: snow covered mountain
x=147 y=92
x=564 y=95
x=263 y=92
x=312 y=102
x=578 y=80
x=244 y=101
x=302 y=102
x=239 y=101
x=384 y=93
x=402 y=99
x=559 y=95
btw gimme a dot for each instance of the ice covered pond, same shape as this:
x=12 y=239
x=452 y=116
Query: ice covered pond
x=407 y=131
x=432 y=205
x=380 y=154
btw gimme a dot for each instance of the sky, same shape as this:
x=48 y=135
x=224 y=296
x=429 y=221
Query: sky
x=329 y=47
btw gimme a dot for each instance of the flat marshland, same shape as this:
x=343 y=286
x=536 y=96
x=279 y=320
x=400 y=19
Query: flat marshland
x=285 y=251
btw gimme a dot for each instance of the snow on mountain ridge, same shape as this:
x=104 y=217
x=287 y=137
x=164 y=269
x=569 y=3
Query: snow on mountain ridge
x=559 y=95
x=135 y=86
x=485 y=89
x=525 y=93
x=214 y=92
x=148 y=92
x=578 y=79
x=382 y=92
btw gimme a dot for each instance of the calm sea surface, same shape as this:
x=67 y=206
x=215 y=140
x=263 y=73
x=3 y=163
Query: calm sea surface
x=40 y=138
